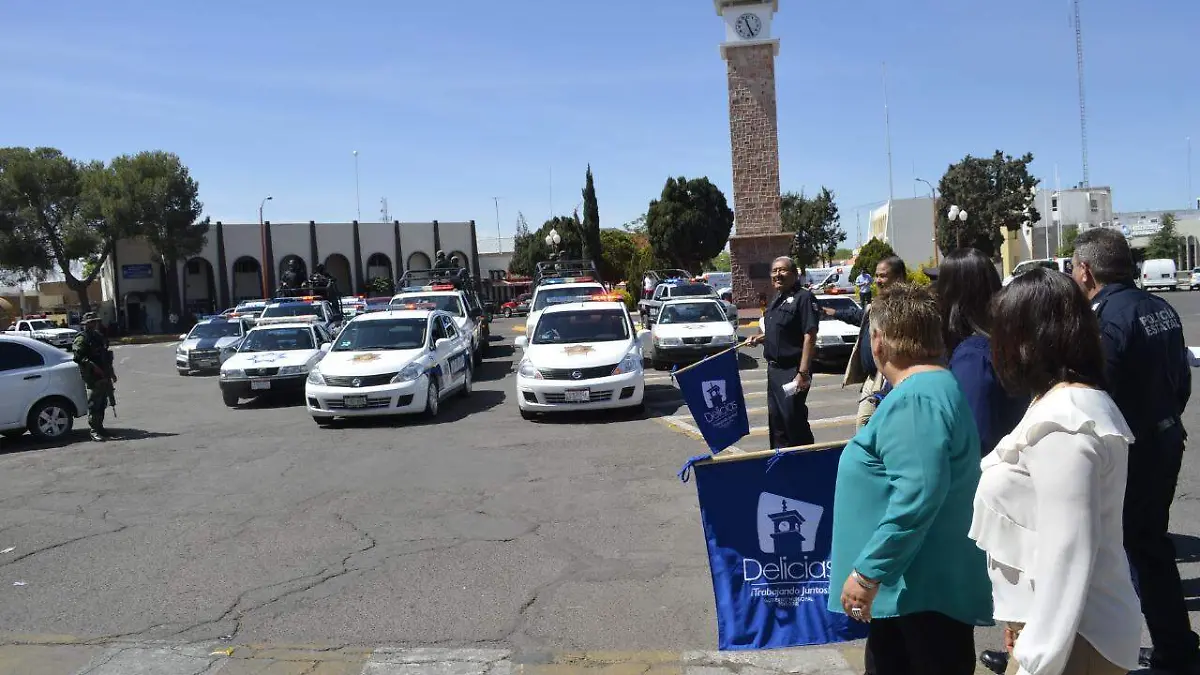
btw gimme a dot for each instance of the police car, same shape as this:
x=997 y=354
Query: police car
x=835 y=339
x=303 y=306
x=274 y=357
x=468 y=318
x=208 y=343
x=690 y=329
x=391 y=363
x=556 y=281
x=581 y=356
x=249 y=310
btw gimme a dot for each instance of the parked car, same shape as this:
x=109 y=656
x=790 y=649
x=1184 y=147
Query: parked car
x=518 y=306
x=43 y=330
x=43 y=390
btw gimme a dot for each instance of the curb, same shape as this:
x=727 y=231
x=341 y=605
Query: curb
x=145 y=340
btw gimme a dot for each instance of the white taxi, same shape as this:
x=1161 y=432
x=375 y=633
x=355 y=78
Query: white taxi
x=690 y=329
x=557 y=290
x=275 y=357
x=467 y=319
x=391 y=363
x=581 y=356
x=835 y=339
x=209 y=343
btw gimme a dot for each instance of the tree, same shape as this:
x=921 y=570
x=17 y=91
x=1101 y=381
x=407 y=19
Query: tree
x=1069 y=235
x=530 y=248
x=619 y=252
x=816 y=224
x=593 y=244
x=151 y=194
x=869 y=256
x=843 y=254
x=50 y=217
x=996 y=192
x=636 y=226
x=1165 y=242
x=721 y=263
x=689 y=223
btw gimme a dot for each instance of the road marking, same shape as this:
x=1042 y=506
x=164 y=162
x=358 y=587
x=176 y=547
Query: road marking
x=823 y=423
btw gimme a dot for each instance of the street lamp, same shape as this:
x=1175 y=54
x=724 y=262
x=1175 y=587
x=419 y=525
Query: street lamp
x=956 y=213
x=553 y=240
x=262 y=233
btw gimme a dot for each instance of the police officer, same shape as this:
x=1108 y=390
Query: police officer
x=95 y=359
x=1149 y=377
x=440 y=262
x=789 y=337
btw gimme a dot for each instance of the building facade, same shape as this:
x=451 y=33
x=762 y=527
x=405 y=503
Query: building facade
x=244 y=261
x=911 y=231
x=1140 y=226
x=1060 y=210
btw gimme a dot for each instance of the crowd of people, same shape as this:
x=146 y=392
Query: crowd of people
x=1015 y=462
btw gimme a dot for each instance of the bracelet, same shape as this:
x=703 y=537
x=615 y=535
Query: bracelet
x=866 y=583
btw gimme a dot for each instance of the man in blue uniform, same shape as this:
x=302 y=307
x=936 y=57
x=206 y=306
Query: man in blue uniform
x=789 y=337
x=1149 y=377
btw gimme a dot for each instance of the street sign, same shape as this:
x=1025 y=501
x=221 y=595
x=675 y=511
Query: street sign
x=145 y=271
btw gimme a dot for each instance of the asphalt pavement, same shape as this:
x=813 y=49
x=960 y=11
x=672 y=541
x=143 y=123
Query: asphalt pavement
x=217 y=540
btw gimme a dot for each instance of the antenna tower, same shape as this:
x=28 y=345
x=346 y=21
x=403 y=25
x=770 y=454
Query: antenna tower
x=1082 y=101
x=384 y=216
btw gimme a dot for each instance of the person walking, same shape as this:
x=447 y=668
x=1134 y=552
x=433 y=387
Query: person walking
x=863 y=282
x=1147 y=372
x=903 y=505
x=861 y=367
x=1048 y=511
x=789 y=335
x=90 y=350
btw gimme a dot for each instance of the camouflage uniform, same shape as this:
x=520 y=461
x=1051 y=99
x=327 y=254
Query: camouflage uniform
x=95 y=360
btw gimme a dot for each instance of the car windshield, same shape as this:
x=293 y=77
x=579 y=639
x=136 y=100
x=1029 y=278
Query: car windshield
x=292 y=310
x=215 y=329
x=382 y=334
x=602 y=325
x=551 y=296
x=835 y=304
x=692 y=312
x=692 y=290
x=278 y=340
x=42 y=324
x=446 y=303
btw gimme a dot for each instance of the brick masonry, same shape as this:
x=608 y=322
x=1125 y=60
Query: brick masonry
x=754 y=139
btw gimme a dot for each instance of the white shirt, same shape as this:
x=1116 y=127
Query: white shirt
x=1048 y=512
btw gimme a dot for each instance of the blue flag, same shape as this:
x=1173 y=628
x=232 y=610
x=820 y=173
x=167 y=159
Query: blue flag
x=712 y=390
x=768 y=522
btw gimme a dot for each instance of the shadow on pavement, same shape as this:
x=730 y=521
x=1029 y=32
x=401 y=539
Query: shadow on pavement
x=78 y=436
x=500 y=351
x=452 y=409
x=490 y=371
x=615 y=416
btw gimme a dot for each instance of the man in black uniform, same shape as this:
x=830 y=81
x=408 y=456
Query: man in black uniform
x=790 y=337
x=90 y=350
x=1149 y=377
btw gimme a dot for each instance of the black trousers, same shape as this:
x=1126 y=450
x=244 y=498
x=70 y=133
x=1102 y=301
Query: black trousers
x=925 y=643
x=787 y=416
x=1150 y=489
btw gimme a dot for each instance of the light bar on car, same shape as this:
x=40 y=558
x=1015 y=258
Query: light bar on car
x=288 y=319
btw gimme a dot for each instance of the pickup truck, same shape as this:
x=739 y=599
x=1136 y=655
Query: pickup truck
x=43 y=330
x=673 y=290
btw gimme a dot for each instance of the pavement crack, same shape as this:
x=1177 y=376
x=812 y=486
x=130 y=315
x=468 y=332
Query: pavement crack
x=61 y=544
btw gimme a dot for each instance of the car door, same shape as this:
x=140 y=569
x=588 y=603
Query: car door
x=23 y=378
x=457 y=356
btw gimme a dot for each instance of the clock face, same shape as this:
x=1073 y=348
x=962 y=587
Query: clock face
x=748 y=26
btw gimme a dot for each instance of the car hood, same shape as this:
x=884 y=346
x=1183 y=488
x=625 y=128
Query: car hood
x=209 y=343
x=368 y=362
x=835 y=327
x=292 y=357
x=56 y=332
x=579 y=354
x=682 y=330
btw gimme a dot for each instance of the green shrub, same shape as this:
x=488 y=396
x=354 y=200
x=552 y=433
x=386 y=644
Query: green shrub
x=869 y=256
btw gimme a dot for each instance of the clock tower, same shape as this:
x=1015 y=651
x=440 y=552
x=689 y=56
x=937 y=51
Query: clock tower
x=749 y=51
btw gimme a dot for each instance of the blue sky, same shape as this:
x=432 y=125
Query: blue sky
x=452 y=103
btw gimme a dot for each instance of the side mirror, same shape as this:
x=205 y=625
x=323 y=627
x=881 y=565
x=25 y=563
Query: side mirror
x=326 y=346
x=521 y=342
x=183 y=337
x=441 y=343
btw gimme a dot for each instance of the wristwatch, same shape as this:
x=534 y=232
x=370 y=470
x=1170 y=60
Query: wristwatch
x=805 y=373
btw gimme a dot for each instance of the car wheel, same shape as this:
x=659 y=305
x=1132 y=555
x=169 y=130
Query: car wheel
x=465 y=392
x=230 y=398
x=183 y=372
x=527 y=415
x=51 y=419
x=432 y=401
x=508 y=312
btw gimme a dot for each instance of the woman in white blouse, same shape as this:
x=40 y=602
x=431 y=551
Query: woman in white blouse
x=1048 y=507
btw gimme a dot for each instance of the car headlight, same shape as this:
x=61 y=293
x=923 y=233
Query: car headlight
x=233 y=374
x=293 y=370
x=409 y=373
x=315 y=377
x=668 y=342
x=180 y=350
x=723 y=339
x=826 y=340
x=526 y=369
x=630 y=364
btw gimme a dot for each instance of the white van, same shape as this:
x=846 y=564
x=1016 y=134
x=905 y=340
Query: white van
x=1158 y=274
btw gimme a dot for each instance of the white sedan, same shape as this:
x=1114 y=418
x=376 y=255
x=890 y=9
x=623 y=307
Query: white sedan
x=690 y=329
x=391 y=363
x=835 y=338
x=273 y=359
x=581 y=356
x=43 y=390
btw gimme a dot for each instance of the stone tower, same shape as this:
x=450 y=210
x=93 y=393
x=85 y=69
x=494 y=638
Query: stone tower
x=749 y=52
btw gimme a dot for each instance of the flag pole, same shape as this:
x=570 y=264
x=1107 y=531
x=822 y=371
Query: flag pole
x=760 y=454
x=720 y=353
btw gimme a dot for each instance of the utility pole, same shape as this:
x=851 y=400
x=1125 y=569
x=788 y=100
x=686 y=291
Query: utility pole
x=1082 y=100
x=357 y=198
x=499 y=241
x=887 y=122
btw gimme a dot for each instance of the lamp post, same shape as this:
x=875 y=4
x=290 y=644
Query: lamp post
x=553 y=240
x=933 y=196
x=262 y=233
x=953 y=214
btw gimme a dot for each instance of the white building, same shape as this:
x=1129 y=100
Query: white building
x=1060 y=210
x=1140 y=226
x=911 y=231
x=230 y=269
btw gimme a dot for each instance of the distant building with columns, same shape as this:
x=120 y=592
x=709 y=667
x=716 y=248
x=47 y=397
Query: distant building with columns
x=230 y=267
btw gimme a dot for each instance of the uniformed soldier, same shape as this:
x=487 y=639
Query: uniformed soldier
x=440 y=262
x=95 y=360
x=789 y=337
x=319 y=278
x=1149 y=377
x=291 y=276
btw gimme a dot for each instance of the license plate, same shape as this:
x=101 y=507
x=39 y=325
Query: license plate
x=355 y=401
x=208 y=363
x=577 y=395
x=260 y=384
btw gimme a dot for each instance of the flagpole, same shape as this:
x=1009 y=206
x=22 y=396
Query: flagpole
x=708 y=358
x=760 y=454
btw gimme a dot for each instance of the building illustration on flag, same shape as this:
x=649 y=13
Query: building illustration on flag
x=787 y=527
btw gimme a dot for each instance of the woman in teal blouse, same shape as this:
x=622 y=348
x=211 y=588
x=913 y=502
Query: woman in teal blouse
x=903 y=505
